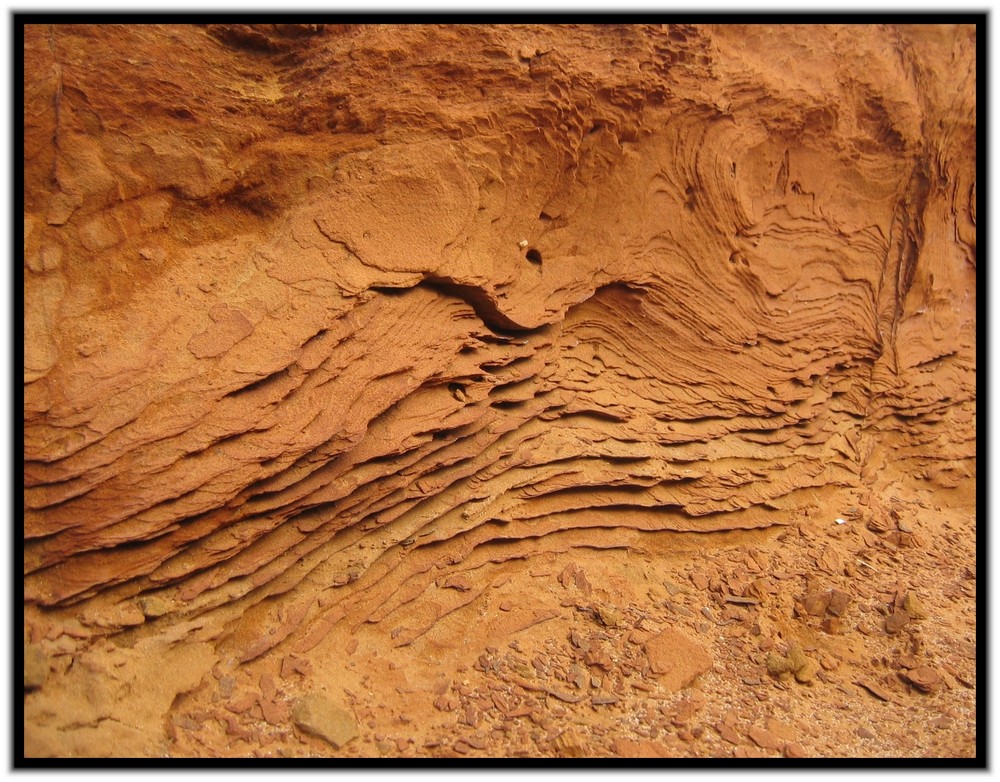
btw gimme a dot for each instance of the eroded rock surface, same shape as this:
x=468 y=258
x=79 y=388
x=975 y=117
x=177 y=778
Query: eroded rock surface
x=318 y=317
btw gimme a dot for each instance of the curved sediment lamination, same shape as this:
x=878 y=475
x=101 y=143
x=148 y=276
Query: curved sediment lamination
x=297 y=355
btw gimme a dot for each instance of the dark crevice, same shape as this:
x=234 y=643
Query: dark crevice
x=258 y=385
x=485 y=309
x=477 y=298
x=314 y=338
x=508 y=404
x=387 y=290
x=612 y=459
x=597 y=415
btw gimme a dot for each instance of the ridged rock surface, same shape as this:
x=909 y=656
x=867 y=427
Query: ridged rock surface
x=320 y=316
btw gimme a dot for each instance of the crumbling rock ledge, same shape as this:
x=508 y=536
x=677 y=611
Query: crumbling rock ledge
x=320 y=316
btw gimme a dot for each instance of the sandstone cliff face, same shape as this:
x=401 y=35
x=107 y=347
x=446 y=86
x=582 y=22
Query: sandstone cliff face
x=318 y=316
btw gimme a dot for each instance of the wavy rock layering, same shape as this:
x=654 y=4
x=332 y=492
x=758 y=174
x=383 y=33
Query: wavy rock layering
x=316 y=315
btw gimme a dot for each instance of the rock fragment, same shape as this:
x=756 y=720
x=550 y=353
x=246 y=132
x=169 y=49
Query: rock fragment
x=676 y=659
x=924 y=677
x=876 y=689
x=765 y=739
x=914 y=606
x=794 y=750
x=839 y=601
x=317 y=715
x=778 y=665
x=569 y=745
x=575 y=575
x=830 y=601
x=813 y=604
x=795 y=663
x=460 y=582
x=780 y=729
x=609 y=617
x=896 y=621
x=727 y=733
x=807 y=672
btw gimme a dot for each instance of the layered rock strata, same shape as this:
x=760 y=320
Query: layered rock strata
x=321 y=317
